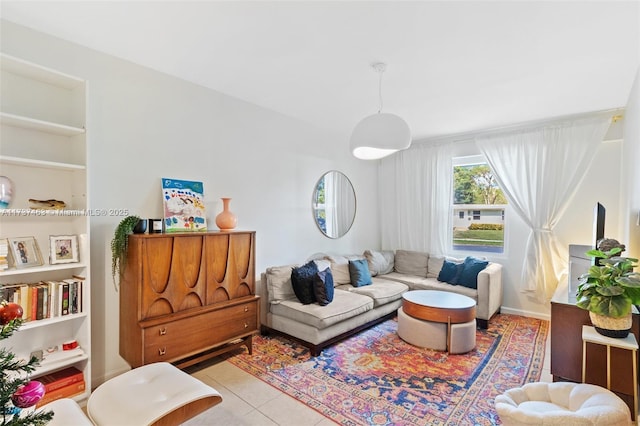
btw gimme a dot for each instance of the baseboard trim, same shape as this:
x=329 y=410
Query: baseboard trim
x=524 y=313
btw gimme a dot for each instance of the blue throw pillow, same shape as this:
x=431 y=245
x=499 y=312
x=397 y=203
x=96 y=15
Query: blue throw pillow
x=302 y=282
x=359 y=273
x=323 y=287
x=471 y=268
x=449 y=272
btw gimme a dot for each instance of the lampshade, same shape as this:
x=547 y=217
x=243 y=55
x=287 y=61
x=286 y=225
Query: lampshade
x=379 y=135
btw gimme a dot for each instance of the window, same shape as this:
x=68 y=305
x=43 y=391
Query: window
x=476 y=193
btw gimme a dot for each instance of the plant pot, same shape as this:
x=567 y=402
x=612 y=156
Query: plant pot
x=611 y=327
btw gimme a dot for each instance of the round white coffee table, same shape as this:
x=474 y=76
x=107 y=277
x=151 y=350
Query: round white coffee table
x=438 y=320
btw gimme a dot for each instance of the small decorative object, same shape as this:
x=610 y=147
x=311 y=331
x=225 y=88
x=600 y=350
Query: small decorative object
x=63 y=249
x=141 y=226
x=9 y=311
x=119 y=245
x=28 y=394
x=25 y=252
x=46 y=204
x=226 y=220
x=155 y=226
x=608 y=291
x=6 y=192
x=183 y=205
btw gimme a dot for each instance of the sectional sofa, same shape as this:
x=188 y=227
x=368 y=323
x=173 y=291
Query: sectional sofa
x=356 y=308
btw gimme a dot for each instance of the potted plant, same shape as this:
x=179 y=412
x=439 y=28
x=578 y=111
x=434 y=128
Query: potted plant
x=608 y=291
x=119 y=246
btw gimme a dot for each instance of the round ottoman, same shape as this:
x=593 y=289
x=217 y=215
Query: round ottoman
x=561 y=403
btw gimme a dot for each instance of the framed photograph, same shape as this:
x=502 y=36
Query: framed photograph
x=25 y=252
x=63 y=249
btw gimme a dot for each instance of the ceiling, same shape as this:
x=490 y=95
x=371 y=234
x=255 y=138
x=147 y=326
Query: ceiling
x=452 y=67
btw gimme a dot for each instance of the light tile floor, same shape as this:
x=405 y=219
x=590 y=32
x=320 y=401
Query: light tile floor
x=247 y=400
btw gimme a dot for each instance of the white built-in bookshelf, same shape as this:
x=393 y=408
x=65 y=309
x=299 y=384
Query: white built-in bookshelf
x=43 y=151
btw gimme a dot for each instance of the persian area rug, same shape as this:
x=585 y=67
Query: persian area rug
x=375 y=378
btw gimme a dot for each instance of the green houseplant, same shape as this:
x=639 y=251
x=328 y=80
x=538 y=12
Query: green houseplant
x=119 y=245
x=609 y=290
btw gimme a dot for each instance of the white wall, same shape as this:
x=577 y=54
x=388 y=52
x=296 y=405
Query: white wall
x=144 y=125
x=630 y=179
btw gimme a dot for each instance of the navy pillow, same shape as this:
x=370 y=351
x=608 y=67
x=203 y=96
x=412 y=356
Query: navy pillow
x=302 y=281
x=471 y=268
x=449 y=271
x=323 y=287
x=359 y=272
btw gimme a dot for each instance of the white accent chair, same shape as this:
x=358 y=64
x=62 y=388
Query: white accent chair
x=562 y=403
x=155 y=394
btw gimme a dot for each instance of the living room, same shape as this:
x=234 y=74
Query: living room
x=146 y=123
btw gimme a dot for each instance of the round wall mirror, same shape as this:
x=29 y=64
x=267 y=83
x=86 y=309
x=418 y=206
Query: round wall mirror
x=334 y=204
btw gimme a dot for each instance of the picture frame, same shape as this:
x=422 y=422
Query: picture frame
x=25 y=252
x=183 y=202
x=63 y=249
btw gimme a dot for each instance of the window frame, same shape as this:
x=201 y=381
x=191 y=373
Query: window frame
x=468 y=160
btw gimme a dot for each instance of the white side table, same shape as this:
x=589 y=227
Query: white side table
x=590 y=335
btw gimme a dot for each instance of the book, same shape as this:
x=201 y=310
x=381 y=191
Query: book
x=61 y=378
x=68 y=391
x=34 y=302
x=65 y=299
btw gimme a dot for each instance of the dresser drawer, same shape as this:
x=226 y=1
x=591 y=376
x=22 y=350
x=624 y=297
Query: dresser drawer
x=179 y=338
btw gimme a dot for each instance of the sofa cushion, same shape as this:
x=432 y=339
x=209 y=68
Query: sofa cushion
x=323 y=287
x=302 y=280
x=380 y=262
x=450 y=272
x=279 y=283
x=345 y=305
x=411 y=262
x=359 y=273
x=381 y=291
x=471 y=267
x=434 y=266
x=339 y=269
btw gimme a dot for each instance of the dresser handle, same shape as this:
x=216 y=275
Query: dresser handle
x=246 y=309
x=246 y=325
x=162 y=351
x=163 y=331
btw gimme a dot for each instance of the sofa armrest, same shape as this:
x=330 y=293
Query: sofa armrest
x=262 y=290
x=489 y=291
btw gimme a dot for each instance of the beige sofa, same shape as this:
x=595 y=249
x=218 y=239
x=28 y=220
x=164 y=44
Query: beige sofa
x=356 y=308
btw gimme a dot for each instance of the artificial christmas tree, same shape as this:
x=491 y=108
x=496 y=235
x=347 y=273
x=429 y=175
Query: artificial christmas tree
x=16 y=392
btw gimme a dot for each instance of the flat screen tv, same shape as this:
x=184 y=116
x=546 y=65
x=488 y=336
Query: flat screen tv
x=598 y=226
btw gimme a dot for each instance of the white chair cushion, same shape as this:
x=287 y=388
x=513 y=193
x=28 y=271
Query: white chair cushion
x=561 y=403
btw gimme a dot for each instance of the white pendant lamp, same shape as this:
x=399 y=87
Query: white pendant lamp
x=381 y=134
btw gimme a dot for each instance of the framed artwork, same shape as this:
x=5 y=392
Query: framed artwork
x=25 y=252
x=63 y=249
x=183 y=202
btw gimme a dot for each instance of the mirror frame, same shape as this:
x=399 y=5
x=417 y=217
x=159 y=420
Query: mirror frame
x=314 y=205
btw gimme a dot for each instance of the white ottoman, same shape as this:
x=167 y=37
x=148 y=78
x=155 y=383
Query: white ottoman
x=425 y=334
x=433 y=335
x=154 y=394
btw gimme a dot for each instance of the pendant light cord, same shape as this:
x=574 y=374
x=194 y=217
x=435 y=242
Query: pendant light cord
x=380 y=91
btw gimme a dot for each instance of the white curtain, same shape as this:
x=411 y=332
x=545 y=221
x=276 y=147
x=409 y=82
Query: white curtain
x=539 y=170
x=415 y=199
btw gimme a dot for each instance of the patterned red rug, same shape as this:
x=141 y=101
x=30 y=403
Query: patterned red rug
x=375 y=378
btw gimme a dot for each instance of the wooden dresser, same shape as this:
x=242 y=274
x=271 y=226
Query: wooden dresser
x=567 y=320
x=187 y=297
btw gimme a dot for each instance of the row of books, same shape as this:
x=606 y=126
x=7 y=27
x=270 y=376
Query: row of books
x=61 y=384
x=46 y=299
x=4 y=252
